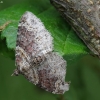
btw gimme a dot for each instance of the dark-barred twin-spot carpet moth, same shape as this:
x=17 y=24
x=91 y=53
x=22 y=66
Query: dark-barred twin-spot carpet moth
x=84 y=17
x=35 y=58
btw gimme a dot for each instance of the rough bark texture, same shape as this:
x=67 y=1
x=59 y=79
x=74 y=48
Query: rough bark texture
x=84 y=17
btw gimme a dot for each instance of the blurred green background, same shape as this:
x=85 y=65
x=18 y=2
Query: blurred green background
x=83 y=74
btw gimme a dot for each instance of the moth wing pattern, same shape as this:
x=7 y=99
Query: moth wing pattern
x=33 y=36
x=34 y=57
x=33 y=40
x=52 y=74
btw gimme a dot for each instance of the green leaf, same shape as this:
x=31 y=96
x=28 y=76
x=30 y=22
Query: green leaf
x=66 y=41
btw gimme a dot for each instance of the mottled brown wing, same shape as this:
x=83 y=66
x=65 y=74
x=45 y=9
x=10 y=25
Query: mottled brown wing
x=35 y=59
x=51 y=74
x=33 y=41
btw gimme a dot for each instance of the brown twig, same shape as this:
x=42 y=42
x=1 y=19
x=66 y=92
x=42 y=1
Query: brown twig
x=4 y=25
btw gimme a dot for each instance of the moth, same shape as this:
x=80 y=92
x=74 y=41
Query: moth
x=35 y=58
x=84 y=17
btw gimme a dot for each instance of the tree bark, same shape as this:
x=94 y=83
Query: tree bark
x=84 y=17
